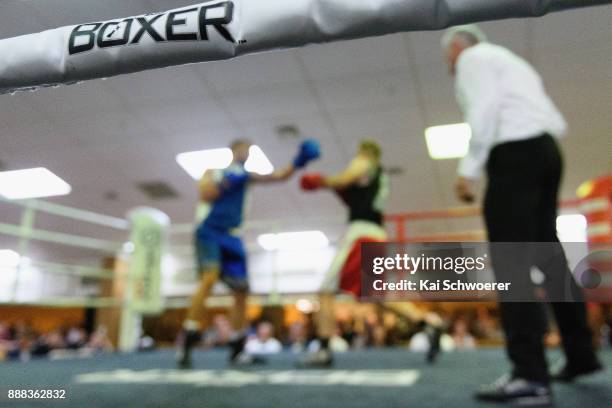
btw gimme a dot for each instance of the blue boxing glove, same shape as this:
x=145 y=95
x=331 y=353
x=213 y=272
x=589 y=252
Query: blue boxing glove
x=234 y=181
x=309 y=151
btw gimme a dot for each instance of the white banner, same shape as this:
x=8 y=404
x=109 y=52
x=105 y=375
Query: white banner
x=222 y=29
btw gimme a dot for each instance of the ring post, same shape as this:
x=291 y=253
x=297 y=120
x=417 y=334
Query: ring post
x=148 y=238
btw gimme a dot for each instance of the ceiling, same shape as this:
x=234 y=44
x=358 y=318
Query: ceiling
x=106 y=136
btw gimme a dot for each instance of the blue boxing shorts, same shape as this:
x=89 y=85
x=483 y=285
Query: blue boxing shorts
x=218 y=248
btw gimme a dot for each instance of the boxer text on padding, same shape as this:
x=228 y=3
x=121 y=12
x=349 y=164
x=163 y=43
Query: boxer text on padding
x=131 y=31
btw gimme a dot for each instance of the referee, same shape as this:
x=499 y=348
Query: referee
x=514 y=126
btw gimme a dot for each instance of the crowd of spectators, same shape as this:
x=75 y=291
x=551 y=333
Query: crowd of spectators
x=461 y=332
x=21 y=342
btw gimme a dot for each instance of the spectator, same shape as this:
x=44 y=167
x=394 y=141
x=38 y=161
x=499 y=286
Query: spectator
x=297 y=338
x=53 y=340
x=485 y=326
x=76 y=337
x=220 y=333
x=347 y=331
x=99 y=341
x=5 y=332
x=461 y=336
x=338 y=344
x=6 y=342
x=379 y=335
x=264 y=341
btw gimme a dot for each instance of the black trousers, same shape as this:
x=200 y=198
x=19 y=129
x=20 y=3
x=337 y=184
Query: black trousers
x=521 y=206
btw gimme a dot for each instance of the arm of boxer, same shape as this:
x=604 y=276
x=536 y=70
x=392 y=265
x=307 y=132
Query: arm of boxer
x=357 y=168
x=477 y=86
x=309 y=150
x=208 y=187
x=277 y=175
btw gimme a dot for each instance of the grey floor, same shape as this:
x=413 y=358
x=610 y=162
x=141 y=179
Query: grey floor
x=373 y=379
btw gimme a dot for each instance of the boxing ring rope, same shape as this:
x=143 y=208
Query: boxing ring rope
x=398 y=226
x=397 y=223
x=598 y=234
x=26 y=232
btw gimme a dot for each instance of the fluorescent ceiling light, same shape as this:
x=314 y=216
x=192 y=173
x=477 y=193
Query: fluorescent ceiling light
x=196 y=163
x=258 y=161
x=293 y=241
x=448 y=141
x=572 y=228
x=9 y=258
x=32 y=183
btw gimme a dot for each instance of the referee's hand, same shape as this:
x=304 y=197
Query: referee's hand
x=464 y=189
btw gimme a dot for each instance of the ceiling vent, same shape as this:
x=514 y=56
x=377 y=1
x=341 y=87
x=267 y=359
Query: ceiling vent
x=157 y=190
x=288 y=132
x=111 y=195
x=394 y=170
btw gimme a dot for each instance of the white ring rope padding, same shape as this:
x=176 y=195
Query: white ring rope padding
x=69 y=302
x=222 y=29
x=267 y=225
x=72 y=213
x=261 y=299
x=60 y=238
x=74 y=270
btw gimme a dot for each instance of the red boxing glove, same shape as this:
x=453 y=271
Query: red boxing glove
x=311 y=181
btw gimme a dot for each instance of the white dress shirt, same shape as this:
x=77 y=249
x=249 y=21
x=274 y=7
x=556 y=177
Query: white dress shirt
x=503 y=99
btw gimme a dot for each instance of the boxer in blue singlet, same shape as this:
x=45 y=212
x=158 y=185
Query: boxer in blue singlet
x=220 y=253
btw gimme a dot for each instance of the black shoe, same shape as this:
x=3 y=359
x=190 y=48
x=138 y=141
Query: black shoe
x=245 y=359
x=190 y=339
x=322 y=358
x=567 y=373
x=517 y=391
x=236 y=347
